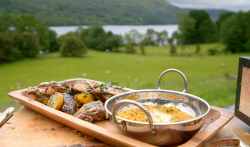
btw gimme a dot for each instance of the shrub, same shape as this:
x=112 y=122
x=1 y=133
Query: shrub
x=212 y=51
x=72 y=47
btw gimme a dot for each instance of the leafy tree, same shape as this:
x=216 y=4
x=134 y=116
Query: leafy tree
x=186 y=27
x=29 y=23
x=129 y=47
x=198 y=48
x=205 y=29
x=235 y=32
x=53 y=41
x=7 y=21
x=29 y=45
x=151 y=37
x=72 y=47
x=162 y=37
x=222 y=18
x=176 y=36
x=172 y=49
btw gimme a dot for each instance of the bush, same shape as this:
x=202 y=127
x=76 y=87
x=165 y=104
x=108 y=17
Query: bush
x=212 y=51
x=72 y=47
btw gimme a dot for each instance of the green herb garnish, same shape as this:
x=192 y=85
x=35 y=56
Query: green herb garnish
x=7 y=114
x=8 y=122
x=13 y=127
x=52 y=129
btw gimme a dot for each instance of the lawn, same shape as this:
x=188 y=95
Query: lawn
x=206 y=75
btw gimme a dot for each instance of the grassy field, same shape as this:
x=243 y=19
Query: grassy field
x=206 y=75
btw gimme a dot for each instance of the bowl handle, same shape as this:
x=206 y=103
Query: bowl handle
x=173 y=70
x=123 y=102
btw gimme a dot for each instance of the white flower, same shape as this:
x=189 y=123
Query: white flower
x=128 y=78
x=84 y=74
x=107 y=72
x=136 y=80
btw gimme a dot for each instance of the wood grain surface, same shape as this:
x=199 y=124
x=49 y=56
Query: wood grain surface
x=28 y=128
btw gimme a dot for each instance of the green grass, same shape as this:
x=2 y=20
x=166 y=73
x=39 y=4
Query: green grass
x=205 y=74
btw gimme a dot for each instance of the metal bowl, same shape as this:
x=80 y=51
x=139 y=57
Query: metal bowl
x=158 y=133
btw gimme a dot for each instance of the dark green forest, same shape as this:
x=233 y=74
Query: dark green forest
x=93 y=12
x=98 y=12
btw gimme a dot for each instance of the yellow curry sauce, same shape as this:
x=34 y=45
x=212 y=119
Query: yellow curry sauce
x=159 y=114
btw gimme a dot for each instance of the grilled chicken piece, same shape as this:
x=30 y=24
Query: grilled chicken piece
x=69 y=104
x=106 y=90
x=81 y=86
x=91 y=111
x=36 y=91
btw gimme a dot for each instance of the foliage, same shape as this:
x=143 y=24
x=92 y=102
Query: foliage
x=212 y=51
x=29 y=22
x=186 y=27
x=72 y=47
x=172 y=49
x=222 y=18
x=29 y=45
x=94 y=12
x=198 y=48
x=96 y=38
x=9 y=50
x=235 y=32
x=205 y=30
x=196 y=27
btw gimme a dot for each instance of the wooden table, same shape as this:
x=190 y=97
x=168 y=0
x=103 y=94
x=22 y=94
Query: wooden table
x=28 y=128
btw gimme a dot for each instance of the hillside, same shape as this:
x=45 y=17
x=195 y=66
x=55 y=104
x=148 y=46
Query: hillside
x=89 y=12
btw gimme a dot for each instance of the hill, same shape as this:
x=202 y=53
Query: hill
x=90 y=12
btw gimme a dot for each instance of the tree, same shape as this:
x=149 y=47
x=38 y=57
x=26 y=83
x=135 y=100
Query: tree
x=129 y=47
x=162 y=38
x=53 y=41
x=72 y=47
x=172 y=49
x=222 y=18
x=205 y=29
x=29 y=23
x=186 y=27
x=7 y=21
x=151 y=37
x=29 y=45
x=235 y=32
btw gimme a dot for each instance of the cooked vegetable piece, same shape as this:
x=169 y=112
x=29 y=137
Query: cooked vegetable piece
x=91 y=111
x=69 y=105
x=84 y=98
x=55 y=101
x=42 y=99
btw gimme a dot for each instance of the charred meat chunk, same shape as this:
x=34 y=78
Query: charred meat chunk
x=69 y=104
x=91 y=111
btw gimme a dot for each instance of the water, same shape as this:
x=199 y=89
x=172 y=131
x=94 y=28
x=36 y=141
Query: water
x=121 y=29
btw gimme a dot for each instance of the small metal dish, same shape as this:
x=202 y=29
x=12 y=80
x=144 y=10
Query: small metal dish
x=159 y=133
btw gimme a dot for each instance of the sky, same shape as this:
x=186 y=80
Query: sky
x=231 y=5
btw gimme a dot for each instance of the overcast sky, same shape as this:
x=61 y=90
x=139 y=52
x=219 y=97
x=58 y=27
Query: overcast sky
x=232 y=5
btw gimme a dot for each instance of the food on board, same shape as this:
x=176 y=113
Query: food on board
x=83 y=99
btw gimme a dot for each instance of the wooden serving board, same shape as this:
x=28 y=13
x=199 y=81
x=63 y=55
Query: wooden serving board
x=104 y=131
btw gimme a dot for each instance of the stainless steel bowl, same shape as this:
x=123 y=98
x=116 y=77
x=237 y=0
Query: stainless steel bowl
x=158 y=133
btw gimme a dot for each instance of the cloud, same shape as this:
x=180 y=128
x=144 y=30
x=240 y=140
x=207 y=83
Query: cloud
x=232 y=5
